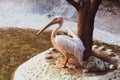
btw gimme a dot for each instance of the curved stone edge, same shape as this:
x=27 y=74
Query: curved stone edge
x=32 y=70
x=18 y=73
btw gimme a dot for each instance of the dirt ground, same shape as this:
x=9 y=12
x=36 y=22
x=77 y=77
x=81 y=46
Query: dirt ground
x=18 y=45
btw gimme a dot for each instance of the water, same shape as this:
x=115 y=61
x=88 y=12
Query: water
x=28 y=13
x=32 y=14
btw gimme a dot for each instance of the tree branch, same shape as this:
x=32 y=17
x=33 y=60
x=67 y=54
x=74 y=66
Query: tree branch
x=94 y=6
x=73 y=3
x=104 y=56
x=78 y=4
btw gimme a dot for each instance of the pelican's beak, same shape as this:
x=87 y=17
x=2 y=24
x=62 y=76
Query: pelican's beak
x=55 y=21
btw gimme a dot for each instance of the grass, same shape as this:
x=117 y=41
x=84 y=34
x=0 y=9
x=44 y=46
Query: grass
x=18 y=45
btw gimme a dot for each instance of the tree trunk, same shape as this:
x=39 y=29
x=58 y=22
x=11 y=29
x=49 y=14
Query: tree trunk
x=86 y=14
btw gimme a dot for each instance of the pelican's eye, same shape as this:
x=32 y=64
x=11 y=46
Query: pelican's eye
x=56 y=18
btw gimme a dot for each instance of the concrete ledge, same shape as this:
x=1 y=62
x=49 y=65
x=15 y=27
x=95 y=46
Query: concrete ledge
x=41 y=67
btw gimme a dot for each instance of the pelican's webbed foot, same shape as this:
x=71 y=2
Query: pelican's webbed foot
x=62 y=62
x=61 y=66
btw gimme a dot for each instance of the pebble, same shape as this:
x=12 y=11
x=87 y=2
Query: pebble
x=49 y=57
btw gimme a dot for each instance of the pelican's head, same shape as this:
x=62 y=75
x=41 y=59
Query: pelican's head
x=57 y=20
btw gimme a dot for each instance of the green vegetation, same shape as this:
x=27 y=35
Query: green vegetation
x=18 y=45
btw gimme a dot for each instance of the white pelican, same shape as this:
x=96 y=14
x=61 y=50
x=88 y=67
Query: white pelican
x=65 y=44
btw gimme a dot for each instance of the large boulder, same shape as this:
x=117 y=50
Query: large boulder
x=42 y=67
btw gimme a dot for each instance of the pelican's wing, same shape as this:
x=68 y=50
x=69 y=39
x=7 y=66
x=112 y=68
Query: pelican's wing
x=71 y=45
x=70 y=32
x=67 y=43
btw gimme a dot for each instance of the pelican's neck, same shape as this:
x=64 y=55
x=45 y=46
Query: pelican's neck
x=54 y=32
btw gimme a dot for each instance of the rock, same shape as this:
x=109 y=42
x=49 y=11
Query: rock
x=94 y=47
x=110 y=52
x=112 y=67
x=49 y=57
x=95 y=64
x=85 y=70
x=40 y=68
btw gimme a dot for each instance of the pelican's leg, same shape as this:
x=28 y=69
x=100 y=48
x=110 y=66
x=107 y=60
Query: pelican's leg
x=63 y=63
x=66 y=59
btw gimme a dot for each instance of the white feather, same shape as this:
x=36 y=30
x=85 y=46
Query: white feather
x=71 y=45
